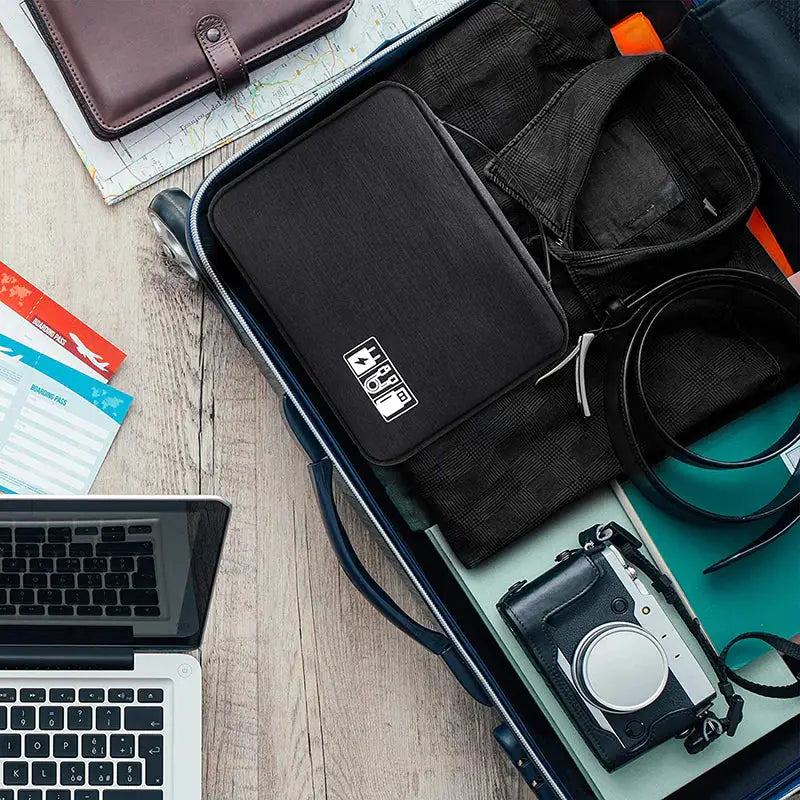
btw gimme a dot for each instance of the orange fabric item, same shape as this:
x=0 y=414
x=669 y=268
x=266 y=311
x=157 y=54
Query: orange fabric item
x=759 y=228
x=636 y=36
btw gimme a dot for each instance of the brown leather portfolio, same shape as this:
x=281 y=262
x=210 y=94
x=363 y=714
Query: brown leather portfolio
x=130 y=61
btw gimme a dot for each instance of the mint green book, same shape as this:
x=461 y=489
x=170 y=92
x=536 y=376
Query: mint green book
x=760 y=592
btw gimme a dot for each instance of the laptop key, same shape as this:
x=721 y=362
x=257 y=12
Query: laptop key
x=51 y=718
x=140 y=529
x=108 y=718
x=101 y=773
x=151 y=695
x=15 y=565
x=81 y=550
x=6 y=794
x=30 y=535
x=61 y=611
x=50 y=597
x=147 y=611
x=73 y=773
x=3 y=718
x=129 y=773
x=22 y=596
x=15 y=773
x=61 y=534
x=104 y=597
x=123 y=746
x=94 y=745
x=23 y=718
x=92 y=695
x=29 y=794
x=86 y=530
x=87 y=794
x=63 y=580
x=62 y=695
x=65 y=746
x=79 y=718
x=38 y=577
x=117 y=580
x=8 y=695
x=144 y=719
x=90 y=611
x=54 y=550
x=95 y=565
x=139 y=597
x=146 y=565
x=37 y=745
x=68 y=564
x=43 y=773
x=118 y=611
x=90 y=581
x=143 y=580
x=27 y=551
x=113 y=549
x=32 y=695
x=31 y=611
x=58 y=794
x=151 y=750
x=120 y=695
x=10 y=745
x=124 y=564
x=9 y=581
x=130 y=794
x=77 y=597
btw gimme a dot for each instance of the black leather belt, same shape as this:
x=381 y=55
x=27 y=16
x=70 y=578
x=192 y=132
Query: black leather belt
x=635 y=429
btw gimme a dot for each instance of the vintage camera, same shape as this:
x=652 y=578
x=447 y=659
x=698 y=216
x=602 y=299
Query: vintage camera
x=609 y=652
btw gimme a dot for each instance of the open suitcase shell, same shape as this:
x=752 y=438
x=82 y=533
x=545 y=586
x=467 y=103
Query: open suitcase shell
x=464 y=642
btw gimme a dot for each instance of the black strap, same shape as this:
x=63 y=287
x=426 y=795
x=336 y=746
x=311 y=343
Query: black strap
x=786 y=647
x=636 y=431
x=709 y=727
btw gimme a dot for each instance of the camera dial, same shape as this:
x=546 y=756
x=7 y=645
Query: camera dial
x=620 y=667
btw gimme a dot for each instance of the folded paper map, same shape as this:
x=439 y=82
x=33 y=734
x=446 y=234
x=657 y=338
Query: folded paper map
x=124 y=166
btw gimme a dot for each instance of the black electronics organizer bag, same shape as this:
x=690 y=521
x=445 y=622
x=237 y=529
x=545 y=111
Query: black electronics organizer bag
x=543 y=50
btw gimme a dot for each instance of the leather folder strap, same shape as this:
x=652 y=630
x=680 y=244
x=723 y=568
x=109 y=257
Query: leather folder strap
x=223 y=55
x=637 y=433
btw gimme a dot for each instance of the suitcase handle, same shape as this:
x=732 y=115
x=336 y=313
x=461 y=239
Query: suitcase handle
x=322 y=472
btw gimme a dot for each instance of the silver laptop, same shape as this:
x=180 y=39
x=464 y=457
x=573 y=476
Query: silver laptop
x=103 y=602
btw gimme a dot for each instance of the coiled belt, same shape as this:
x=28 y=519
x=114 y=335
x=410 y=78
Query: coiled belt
x=635 y=429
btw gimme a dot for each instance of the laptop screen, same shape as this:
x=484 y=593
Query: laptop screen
x=108 y=571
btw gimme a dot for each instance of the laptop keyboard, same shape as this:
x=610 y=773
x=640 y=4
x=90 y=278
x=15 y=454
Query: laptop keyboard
x=81 y=743
x=82 y=570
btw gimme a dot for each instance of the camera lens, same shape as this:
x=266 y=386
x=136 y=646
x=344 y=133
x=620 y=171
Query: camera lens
x=620 y=667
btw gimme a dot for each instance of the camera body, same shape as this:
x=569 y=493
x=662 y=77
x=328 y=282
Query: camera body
x=609 y=652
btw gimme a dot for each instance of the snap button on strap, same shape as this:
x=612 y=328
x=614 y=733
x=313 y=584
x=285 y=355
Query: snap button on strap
x=222 y=54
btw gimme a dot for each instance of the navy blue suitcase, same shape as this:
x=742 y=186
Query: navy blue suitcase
x=766 y=770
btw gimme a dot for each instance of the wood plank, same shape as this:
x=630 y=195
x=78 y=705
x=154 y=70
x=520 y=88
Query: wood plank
x=309 y=693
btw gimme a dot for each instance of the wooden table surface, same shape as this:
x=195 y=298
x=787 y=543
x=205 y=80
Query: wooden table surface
x=309 y=693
